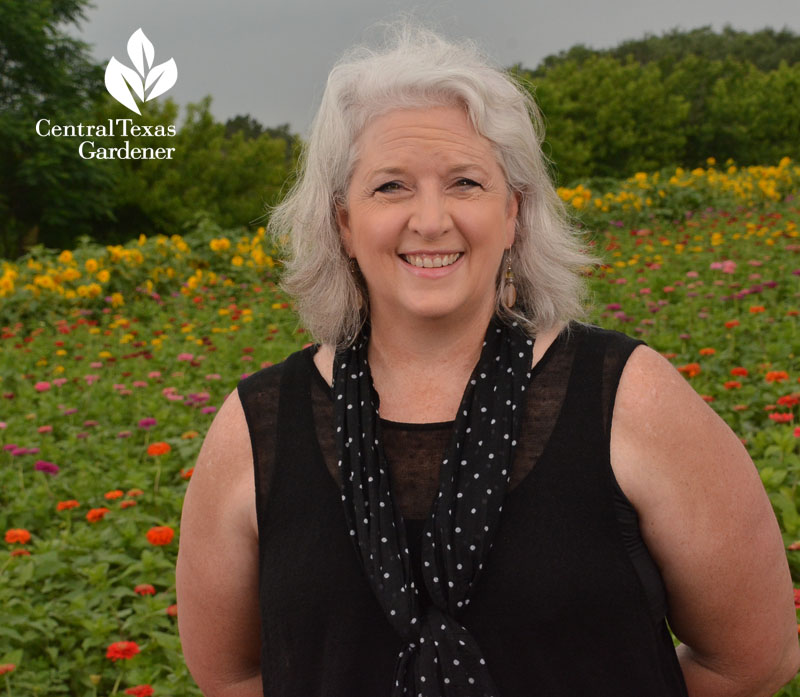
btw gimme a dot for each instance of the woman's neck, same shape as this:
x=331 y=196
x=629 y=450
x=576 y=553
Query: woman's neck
x=421 y=371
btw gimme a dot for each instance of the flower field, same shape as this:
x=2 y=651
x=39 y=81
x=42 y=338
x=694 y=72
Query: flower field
x=114 y=360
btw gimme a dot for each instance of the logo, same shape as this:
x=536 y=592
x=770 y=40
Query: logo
x=147 y=82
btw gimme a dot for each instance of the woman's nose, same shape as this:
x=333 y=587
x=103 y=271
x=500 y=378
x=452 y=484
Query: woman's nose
x=430 y=216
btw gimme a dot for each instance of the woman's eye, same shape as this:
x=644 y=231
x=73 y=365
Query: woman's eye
x=389 y=186
x=464 y=182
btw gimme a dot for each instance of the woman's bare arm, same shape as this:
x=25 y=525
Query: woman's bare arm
x=708 y=523
x=217 y=573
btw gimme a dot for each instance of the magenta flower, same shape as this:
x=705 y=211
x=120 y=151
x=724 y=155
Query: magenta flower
x=208 y=410
x=60 y=381
x=3 y=425
x=147 y=423
x=42 y=386
x=139 y=383
x=45 y=429
x=124 y=434
x=46 y=467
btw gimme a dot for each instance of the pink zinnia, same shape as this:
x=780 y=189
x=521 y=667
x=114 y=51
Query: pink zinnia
x=42 y=386
x=46 y=467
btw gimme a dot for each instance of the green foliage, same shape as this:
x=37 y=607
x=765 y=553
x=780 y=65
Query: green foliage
x=606 y=117
x=44 y=73
x=230 y=180
x=765 y=49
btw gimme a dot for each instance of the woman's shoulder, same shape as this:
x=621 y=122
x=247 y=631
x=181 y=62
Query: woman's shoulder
x=268 y=377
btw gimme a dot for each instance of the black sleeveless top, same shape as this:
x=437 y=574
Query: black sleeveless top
x=569 y=603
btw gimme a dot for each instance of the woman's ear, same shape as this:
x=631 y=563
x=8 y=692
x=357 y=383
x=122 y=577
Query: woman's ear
x=514 y=201
x=343 y=221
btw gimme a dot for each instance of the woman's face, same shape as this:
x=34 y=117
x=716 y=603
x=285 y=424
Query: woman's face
x=428 y=215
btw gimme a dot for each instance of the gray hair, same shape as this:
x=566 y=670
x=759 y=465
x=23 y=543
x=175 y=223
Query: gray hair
x=420 y=69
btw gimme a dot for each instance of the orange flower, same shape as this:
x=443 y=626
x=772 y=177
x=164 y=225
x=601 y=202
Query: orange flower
x=172 y=610
x=122 y=650
x=66 y=505
x=755 y=309
x=7 y=668
x=135 y=492
x=707 y=351
x=127 y=504
x=18 y=536
x=707 y=398
x=740 y=407
x=144 y=589
x=731 y=323
x=140 y=691
x=788 y=400
x=161 y=535
x=741 y=372
x=781 y=418
x=116 y=494
x=20 y=552
x=732 y=385
x=187 y=474
x=690 y=369
x=159 y=448
x=794 y=546
x=96 y=514
x=776 y=376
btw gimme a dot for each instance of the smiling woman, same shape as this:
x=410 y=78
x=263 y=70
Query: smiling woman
x=461 y=491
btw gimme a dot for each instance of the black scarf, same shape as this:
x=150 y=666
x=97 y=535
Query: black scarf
x=440 y=657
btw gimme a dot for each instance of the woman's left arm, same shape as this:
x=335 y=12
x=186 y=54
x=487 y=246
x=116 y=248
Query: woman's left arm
x=709 y=525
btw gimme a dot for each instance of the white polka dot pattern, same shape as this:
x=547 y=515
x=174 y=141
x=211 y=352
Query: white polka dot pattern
x=440 y=657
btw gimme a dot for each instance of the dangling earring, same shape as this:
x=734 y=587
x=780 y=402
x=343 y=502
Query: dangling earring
x=509 y=291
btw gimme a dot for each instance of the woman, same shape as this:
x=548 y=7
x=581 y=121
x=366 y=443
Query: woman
x=543 y=552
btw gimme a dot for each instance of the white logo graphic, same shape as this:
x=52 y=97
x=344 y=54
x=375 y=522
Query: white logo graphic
x=156 y=79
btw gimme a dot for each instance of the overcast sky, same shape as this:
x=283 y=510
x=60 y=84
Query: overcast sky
x=270 y=59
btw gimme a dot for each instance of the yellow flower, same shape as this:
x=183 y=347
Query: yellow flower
x=65 y=257
x=220 y=244
x=91 y=265
x=237 y=260
x=103 y=276
x=117 y=300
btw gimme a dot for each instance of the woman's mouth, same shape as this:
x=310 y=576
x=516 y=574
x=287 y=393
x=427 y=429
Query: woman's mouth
x=431 y=261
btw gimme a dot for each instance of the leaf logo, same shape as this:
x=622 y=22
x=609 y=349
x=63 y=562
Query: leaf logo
x=147 y=82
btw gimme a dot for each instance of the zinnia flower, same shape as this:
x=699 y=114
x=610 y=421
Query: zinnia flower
x=690 y=369
x=776 y=376
x=781 y=418
x=96 y=514
x=159 y=448
x=740 y=372
x=7 y=668
x=66 y=505
x=172 y=610
x=147 y=423
x=732 y=385
x=160 y=535
x=140 y=691
x=20 y=552
x=18 y=536
x=788 y=400
x=144 y=589
x=122 y=650
x=115 y=494
x=46 y=467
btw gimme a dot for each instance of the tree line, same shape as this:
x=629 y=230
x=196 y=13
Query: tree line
x=673 y=99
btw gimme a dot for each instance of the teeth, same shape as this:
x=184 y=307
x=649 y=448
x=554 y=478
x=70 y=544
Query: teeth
x=428 y=262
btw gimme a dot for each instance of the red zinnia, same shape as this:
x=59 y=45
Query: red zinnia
x=127 y=504
x=788 y=400
x=740 y=372
x=66 y=505
x=781 y=418
x=116 y=494
x=172 y=610
x=707 y=351
x=159 y=448
x=96 y=514
x=160 y=535
x=144 y=589
x=18 y=536
x=732 y=385
x=20 y=552
x=140 y=691
x=122 y=650
x=7 y=668
x=730 y=324
x=690 y=369
x=776 y=376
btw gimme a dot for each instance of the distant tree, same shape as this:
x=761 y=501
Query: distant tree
x=45 y=191
x=246 y=125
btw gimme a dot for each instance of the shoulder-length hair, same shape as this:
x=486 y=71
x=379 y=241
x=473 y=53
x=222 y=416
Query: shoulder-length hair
x=419 y=69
